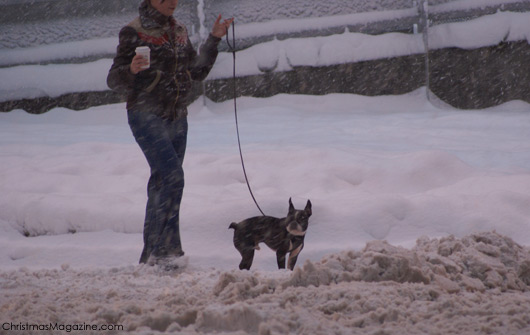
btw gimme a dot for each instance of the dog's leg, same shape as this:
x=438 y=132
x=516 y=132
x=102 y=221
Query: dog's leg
x=293 y=256
x=280 y=257
x=248 y=257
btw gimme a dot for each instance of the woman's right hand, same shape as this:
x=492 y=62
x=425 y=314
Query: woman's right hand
x=138 y=63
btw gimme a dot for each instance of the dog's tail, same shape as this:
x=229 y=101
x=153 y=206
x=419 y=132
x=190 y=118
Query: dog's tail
x=233 y=226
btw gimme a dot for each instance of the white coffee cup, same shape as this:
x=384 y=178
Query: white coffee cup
x=145 y=52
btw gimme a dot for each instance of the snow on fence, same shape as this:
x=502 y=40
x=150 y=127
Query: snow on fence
x=371 y=53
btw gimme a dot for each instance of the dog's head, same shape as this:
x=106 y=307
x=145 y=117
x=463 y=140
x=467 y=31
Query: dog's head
x=298 y=220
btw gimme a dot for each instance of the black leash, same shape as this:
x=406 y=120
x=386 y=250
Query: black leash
x=232 y=48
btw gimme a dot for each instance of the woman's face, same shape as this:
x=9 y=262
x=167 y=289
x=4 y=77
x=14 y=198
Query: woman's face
x=165 y=7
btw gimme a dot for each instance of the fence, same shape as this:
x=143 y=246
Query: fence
x=465 y=78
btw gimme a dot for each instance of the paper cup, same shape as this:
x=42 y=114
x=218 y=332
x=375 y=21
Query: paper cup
x=145 y=52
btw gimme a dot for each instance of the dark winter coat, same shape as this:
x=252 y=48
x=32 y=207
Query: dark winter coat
x=162 y=89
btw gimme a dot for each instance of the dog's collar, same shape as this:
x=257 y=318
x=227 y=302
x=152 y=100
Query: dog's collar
x=295 y=232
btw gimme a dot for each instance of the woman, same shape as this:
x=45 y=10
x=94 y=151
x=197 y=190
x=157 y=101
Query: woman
x=157 y=93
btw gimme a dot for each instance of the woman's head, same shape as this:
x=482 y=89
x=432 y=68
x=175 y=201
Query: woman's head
x=165 y=7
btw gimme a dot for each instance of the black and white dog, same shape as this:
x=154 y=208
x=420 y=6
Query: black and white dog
x=284 y=236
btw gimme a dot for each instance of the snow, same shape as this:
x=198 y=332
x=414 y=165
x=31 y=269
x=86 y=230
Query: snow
x=420 y=214
x=33 y=81
x=59 y=51
x=406 y=198
x=379 y=290
x=503 y=27
x=344 y=48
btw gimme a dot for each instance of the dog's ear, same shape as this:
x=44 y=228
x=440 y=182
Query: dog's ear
x=291 y=207
x=308 y=208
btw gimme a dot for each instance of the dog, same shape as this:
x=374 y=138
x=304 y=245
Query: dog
x=283 y=236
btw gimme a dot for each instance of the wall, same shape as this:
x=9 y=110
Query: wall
x=482 y=77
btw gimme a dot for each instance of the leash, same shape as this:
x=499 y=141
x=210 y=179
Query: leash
x=232 y=49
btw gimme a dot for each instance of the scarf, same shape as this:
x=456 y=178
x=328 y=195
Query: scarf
x=152 y=18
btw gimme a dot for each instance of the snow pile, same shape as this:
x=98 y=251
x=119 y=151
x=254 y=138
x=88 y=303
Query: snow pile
x=317 y=51
x=473 y=263
x=33 y=81
x=60 y=51
x=383 y=289
x=483 y=31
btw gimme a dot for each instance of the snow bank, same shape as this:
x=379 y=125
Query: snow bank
x=57 y=52
x=481 y=32
x=316 y=51
x=474 y=285
x=473 y=263
x=33 y=81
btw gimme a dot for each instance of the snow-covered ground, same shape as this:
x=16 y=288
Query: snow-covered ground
x=391 y=168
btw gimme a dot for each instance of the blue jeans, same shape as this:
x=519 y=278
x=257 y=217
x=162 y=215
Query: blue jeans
x=163 y=143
